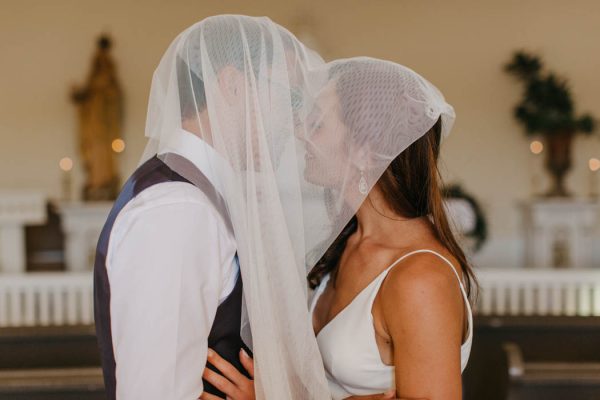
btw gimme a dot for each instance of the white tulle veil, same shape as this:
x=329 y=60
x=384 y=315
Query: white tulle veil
x=299 y=143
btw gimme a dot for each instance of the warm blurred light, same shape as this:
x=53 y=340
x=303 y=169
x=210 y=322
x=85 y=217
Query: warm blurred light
x=118 y=145
x=536 y=147
x=594 y=164
x=66 y=164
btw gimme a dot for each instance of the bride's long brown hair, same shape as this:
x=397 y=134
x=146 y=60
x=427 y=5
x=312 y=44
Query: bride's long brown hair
x=411 y=186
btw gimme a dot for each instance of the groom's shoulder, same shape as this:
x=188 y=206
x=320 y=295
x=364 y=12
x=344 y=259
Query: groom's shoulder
x=167 y=197
x=175 y=209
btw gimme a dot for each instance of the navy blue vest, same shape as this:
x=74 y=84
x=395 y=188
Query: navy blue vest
x=224 y=336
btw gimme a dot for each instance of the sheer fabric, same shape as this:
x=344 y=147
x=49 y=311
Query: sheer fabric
x=299 y=143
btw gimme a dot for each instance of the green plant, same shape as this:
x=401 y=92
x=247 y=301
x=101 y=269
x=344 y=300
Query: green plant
x=547 y=106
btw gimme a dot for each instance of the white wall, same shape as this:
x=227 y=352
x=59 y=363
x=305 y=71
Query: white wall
x=46 y=46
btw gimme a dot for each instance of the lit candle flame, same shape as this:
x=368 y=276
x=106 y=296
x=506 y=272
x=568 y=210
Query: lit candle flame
x=66 y=164
x=536 y=147
x=118 y=145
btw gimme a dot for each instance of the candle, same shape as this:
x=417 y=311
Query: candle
x=594 y=165
x=66 y=165
x=536 y=147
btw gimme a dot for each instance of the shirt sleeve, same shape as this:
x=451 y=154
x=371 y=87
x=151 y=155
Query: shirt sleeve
x=165 y=274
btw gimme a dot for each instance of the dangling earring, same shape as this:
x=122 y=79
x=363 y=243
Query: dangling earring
x=362 y=183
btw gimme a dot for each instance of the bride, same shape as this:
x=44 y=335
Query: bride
x=391 y=303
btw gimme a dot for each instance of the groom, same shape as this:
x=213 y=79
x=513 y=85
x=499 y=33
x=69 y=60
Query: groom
x=167 y=283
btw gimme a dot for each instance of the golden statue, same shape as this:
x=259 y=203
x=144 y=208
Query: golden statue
x=100 y=105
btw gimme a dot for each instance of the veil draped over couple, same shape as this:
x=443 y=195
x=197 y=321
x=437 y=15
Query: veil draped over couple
x=284 y=236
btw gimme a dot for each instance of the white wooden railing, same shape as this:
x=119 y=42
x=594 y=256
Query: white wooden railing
x=40 y=299
x=573 y=292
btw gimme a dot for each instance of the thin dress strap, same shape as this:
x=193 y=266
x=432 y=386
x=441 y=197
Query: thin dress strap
x=384 y=273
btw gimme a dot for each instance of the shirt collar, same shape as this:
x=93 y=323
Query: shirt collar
x=201 y=154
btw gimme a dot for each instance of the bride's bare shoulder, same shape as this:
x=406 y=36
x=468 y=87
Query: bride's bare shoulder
x=422 y=282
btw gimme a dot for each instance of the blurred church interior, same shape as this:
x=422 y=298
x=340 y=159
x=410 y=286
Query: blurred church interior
x=522 y=188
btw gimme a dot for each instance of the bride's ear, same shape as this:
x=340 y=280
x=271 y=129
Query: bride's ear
x=230 y=81
x=362 y=157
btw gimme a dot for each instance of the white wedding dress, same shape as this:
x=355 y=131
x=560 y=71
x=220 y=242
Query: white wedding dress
x=347 y=343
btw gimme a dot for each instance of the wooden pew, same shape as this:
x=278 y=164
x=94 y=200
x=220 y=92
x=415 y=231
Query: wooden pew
x=545 y=340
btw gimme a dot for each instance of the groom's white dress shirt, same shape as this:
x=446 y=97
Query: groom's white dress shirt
x=170 y=263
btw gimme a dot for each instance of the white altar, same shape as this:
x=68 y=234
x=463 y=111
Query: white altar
x=561 y=233
x=82 y=223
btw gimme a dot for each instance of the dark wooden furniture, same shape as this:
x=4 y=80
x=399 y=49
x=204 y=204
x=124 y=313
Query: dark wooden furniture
x=543 y=342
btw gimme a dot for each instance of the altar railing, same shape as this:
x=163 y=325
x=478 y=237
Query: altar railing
x=42 y=299
x=573 y=292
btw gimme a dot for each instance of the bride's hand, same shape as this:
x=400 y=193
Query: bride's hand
x=389 y=395
x=233 y=383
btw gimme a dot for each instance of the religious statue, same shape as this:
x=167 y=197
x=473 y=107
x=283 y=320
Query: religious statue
x=100 y=106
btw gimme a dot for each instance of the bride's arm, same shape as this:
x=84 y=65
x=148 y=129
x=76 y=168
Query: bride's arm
x=423 y=312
